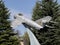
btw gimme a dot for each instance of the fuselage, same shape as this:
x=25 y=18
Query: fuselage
x=29 y=22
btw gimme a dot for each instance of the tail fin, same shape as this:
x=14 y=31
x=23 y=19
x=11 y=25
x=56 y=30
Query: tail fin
x=44 y=20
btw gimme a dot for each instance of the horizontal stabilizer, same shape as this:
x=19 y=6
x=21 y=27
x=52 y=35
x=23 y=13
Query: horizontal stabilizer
x=43 y=20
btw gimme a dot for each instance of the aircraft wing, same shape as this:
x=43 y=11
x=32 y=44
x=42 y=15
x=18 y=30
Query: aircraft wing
x=16 y=22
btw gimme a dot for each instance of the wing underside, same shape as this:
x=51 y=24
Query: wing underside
x=15 y=23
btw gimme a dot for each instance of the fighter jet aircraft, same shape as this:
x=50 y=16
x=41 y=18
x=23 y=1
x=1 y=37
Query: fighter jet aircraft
x=38 y=24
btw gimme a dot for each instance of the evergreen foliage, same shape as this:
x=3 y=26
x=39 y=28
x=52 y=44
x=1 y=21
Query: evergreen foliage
x=7 y=36
x=48 y=36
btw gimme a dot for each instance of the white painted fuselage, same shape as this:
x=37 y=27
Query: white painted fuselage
x=28 y=22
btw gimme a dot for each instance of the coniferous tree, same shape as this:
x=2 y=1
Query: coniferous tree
x=7 y=36
x=48 y=36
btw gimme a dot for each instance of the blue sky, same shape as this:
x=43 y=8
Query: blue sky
x=21 y=6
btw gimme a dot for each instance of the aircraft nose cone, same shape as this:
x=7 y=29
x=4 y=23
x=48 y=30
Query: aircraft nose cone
x=20 y=14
